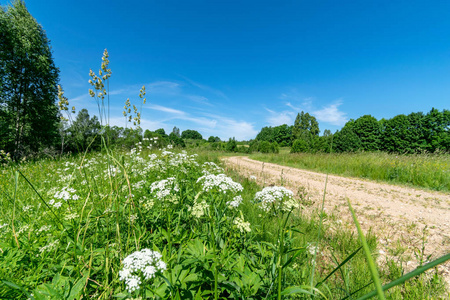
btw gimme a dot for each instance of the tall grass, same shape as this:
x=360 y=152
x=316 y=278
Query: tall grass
x=430 y=171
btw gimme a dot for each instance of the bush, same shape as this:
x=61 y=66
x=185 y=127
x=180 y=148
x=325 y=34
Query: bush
x=299 y=145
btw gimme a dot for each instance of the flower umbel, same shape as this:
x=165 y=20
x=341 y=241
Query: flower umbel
x=144 y=264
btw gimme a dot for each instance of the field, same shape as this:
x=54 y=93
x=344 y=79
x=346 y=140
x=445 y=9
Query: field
x=164 y=224
x=429 y=171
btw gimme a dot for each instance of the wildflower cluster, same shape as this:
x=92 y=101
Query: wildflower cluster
x=211 y=168
x=144 y=264
x=198 y=209
x=165 y=189
x=235 y=202
x=242 y=225
x=277 y=198
x=221 y=183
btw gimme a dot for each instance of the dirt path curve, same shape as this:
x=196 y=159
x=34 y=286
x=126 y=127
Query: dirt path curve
x=402 y=217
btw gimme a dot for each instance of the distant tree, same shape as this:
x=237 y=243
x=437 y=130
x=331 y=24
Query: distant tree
x=266 y=134
x=346 y=140
x=83 y=131
x=176 y=131
x=231 y=145
x=282 y=135
x=176 y=140
x=437 y=126
x=161 y=132
x=28 y=83
x=305 y=126
x=396 y=135
x=299 y=145
x=368 y=129
x=191 y=134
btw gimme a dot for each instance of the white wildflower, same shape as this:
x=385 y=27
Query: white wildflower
x=49 y=247
x=198 y=209
x=235 y=202
x=165 y=188
x=44 y=228
x=220 y=182
x=312 y=249
x=277 y=198
x=27 y=208
x=144 y=264
x=242 y=225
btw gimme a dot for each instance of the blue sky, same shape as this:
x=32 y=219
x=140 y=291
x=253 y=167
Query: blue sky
x=229 y=68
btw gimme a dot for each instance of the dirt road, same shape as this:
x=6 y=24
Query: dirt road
x=404 y=219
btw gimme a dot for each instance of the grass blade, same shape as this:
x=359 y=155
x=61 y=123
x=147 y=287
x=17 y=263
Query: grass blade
x=340 y=265
x=408 y=276
x=372 y=268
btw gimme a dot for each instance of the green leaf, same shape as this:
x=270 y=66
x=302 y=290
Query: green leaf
x=77 y=288
x=370 y=262
x=339 y=266
x=17 y=287
x=408 y=276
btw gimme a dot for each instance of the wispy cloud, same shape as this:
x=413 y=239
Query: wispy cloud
x=228 y=127
x=280 y=118
x=166 y=109
x=331 y=114
x=205 y=88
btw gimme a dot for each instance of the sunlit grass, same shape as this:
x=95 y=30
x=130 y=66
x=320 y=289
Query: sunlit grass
x=430 y=171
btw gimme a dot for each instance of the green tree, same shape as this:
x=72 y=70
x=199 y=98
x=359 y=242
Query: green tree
x=346 y=140
x=368 y=129
x=176 y=131
x=28 y=83
x=83 y=131
x=191 y=134
x=231 y=145
x=266 y=134
x=396 y=135
x=176 y=140
x=305 y=126
x=161 y=132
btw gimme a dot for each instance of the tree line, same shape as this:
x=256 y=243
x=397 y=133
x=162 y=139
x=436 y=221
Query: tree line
x=413 y=133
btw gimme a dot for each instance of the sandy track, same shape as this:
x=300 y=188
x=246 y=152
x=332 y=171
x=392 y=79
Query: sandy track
x=402 y=217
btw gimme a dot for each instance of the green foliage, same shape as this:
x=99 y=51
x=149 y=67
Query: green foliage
x=231 y=145
x=299 y=146
x=175 y=139
x=83 y=133
x=191 y=134
x=346 y=140
x=281 y=134
x=368 y=131
x=161 y=132
x=415 y=133
x=28 y=84
x=213 y=139
x=305 y=126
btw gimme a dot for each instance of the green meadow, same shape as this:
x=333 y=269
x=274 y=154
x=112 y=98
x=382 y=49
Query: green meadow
x=164 y=224
x=429 y=171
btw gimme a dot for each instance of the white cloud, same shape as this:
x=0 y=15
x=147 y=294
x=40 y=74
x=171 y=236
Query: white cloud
x=227 y=128
x=166 y=109
x=206 y=88
x=331 y=114
x=280 y=118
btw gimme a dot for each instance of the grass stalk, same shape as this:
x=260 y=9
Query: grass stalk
x=372 y=268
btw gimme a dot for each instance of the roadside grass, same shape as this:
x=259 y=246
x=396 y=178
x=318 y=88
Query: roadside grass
x=428 y=171
x=68 y=224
